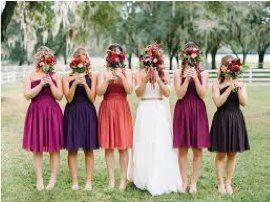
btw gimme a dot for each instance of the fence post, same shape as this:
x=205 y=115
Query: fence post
x=250 y=75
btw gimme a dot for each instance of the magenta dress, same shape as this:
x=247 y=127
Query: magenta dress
x=190 y=122
x=43 y=128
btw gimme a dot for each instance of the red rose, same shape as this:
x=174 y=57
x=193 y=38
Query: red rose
x=49 y=60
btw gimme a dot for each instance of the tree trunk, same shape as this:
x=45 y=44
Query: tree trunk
x=6 y=17
x=177 y=60
x=21 y=62
x=244 y=57
x=129 y=60
x=213 y=56
x=171 y=59
x=261 y=58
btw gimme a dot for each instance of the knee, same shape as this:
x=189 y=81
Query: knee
x=183 y=152
x=72 y=153
x=109 y=152
x=220 y=156
x=88 y=154
x=231 y=155
x=197 y=153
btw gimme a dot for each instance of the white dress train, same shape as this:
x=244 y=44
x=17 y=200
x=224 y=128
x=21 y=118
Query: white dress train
x=153 y=165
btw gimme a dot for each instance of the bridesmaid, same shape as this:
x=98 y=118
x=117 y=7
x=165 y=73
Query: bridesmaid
x=43 y=128
x=228 y=131
x=190 y=123
x=115 y=120
x=80 y=119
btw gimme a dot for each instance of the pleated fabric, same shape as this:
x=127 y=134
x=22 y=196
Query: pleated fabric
x=80 y=121
x=228 y=130
x=115 y=128
x=43 y=127
x=190 y=122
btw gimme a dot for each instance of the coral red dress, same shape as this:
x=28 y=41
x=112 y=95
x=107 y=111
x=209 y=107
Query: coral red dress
x=115 y=130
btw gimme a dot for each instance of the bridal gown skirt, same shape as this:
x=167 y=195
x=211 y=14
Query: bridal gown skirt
x=153 y=165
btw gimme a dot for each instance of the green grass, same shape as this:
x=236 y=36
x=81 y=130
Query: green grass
x=251 y=181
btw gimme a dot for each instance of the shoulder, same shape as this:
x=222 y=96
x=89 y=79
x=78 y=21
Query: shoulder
x=56 y=76
x=66 y=77
x=204 y=73
x=127 y=71
x=139 y=73
x=30 y=74
x=101 y=72
x=215 y=86
x=177 y=72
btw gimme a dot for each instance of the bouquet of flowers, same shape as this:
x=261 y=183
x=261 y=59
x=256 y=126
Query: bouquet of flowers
x=80 y=64
x=46 y=61
x=152 y=59
x=115 y=59
x=234 y=69
x=192 y=55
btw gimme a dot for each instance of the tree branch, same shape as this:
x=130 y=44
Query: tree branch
x=6 y=17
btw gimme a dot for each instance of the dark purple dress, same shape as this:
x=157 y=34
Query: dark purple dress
x=228 y=130
x=43 y=128
x=190 y=122
x=80 y=121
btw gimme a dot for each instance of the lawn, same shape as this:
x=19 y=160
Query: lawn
x=251 y=181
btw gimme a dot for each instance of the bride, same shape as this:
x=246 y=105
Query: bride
x=153 y=165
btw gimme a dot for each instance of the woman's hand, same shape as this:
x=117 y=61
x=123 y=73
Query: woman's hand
x=145 y=77
x=118 y=72
x=108 y=75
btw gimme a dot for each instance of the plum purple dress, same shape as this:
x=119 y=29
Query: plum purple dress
x=228 y=130
x=190 y=122
x=43 y=128
x=80 y=121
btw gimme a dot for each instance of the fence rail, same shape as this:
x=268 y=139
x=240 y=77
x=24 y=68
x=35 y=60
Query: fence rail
x=251 y=75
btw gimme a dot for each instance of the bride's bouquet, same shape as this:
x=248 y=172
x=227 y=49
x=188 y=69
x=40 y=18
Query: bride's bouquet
x=152 y=59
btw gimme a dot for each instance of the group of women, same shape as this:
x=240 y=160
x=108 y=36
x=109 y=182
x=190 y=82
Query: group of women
x=158 y=161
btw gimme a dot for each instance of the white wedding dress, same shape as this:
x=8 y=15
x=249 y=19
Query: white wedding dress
x=153 y=165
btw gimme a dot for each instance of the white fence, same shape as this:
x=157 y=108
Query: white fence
x=15 y=75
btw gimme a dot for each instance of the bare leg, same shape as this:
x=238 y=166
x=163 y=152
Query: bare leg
x=123 y=159
x=183 y=164
x=72 y=165
x=38 y=160
x=54 y=163
x=109 y=156
x=219 y=171
x=89 y=165
x=231 y=161
x=196 y=165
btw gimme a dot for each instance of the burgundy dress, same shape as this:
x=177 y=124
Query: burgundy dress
x=190 y=122
x=43 y=128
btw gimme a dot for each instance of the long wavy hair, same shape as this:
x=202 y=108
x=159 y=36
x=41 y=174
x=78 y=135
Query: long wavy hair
x=225 y=60
x=184 y=60
x=77 y=53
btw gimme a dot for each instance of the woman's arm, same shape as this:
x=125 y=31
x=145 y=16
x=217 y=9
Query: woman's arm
x=141 y=80
x=57 y=91
x=164 y=88
x=200 y=88
x=91 y=93
x=126 y=79
x=218 y=99
x=102 y=82
x=180 y=89
x=69 y=91
x=31 y=93
x=242 y=94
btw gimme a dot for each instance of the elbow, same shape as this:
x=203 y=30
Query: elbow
x=27 y=97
